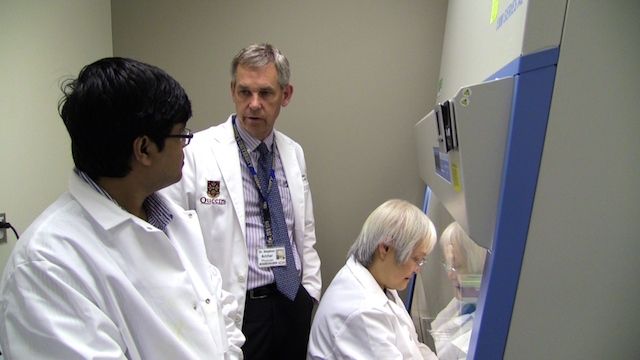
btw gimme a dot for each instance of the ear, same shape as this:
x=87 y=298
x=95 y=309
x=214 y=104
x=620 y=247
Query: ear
x=232 y=87
x=287 y=94
x=383 y=250
x=141 y=150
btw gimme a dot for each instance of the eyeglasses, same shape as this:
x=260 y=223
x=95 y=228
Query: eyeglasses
x=448 y=268
x=419 y=261
x=185 y=136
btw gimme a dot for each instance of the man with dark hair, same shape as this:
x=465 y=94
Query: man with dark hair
x=112 y=269
x=248 y=183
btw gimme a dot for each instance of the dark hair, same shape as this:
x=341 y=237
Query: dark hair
x=112 y=102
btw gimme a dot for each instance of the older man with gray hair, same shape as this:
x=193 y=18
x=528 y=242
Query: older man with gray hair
x=248 y=183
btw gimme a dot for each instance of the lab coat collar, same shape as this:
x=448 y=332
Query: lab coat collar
x=368 y=282
x=103 y=210
x=375 y=294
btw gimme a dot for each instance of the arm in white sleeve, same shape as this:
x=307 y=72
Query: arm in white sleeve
x=311 y=277
x=47 y=315
x=367 y=335
x=229 y=307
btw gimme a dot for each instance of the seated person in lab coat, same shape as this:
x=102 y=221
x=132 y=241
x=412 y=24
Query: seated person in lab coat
x=111 y=269
x=464 y=262
x=360 y=315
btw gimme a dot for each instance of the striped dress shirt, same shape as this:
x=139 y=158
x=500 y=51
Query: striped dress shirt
x=255 y=229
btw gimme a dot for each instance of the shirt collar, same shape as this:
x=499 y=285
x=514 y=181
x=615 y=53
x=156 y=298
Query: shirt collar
x=158 y=212
x=251 y=142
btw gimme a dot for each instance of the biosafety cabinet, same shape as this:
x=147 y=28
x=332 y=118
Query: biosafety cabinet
x=532 y=148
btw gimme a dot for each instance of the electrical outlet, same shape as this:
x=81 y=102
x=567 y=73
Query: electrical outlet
x=3 y=231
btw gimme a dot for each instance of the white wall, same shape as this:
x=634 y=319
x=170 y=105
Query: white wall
x=41 y=42
x=364 y=71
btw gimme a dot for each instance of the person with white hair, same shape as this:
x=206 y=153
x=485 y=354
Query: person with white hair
x=361 y=315
x=464 y=262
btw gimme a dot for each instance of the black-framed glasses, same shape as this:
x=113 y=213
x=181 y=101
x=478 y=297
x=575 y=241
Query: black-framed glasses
x=185 y=136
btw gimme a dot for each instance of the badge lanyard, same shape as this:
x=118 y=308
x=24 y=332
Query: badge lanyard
x=266 y=215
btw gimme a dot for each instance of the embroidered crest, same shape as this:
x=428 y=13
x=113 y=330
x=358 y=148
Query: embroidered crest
x=213 y=188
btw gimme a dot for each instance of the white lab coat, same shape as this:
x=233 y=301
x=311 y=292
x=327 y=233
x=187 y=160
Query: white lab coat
x=212 y=156
x=356 y=320
x=89 y=280
x=451 y=332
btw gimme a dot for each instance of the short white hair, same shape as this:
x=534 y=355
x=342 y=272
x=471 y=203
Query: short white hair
x=396 y=223
x=473 y=253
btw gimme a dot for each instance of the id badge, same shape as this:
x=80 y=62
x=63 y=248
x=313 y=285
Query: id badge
x=273 y=256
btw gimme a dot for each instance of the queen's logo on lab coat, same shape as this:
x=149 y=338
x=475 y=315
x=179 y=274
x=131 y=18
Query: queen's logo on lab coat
x=213 y=188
